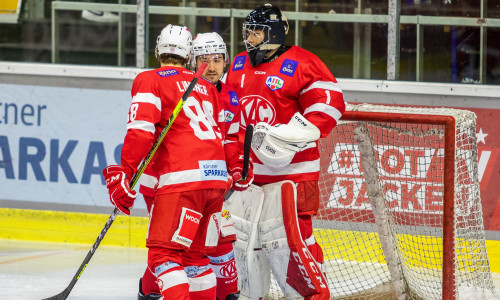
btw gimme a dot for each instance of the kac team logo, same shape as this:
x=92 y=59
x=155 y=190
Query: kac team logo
x=239 y=62
x=274 y=82
x=288 y=67
x=257 y=108
x=167 y=73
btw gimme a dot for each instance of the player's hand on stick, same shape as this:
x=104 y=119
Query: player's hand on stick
x=120 y=194
x=236 y=163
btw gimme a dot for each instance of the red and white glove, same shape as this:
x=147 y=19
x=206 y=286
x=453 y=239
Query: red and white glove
x=236 y=168
x=118 y=186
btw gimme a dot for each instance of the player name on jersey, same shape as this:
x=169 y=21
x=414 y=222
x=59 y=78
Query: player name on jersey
x=183 y=85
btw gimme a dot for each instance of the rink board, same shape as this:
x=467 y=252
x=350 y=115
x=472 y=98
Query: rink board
x=83 y=228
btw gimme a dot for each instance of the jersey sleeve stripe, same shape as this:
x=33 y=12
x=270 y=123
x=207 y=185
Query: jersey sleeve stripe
x=295 y=168
x=326 y=85
x=147 y=98
x=324 y=108
x=142 y=125
x=148 y=180
x=233 y=128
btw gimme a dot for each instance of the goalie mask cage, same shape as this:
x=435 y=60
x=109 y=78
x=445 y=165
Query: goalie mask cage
x=400 y=212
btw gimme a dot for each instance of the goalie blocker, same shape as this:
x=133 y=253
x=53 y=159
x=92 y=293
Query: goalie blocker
x=269 y=238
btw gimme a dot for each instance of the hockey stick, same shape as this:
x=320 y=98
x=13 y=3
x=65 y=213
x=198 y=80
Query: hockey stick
x=64 y=294
x=246 y=157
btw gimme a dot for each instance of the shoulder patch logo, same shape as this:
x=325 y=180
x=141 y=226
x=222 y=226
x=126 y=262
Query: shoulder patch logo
x=239 y=62
x=288 y=67
x=228 y=116
x=167 y=73
x=274 y=82
x=233 y=97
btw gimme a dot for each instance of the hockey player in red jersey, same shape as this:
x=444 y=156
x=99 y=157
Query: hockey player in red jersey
x=190 y=165
x=211 y=49
x=292 y=99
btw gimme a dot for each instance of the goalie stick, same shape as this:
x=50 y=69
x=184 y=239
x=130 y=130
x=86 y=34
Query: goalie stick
x=246 y=157
x=65 y=293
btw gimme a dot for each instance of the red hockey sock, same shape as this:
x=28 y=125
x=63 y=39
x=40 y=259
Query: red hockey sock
x=149 y=284
x=223 y=264
x=173 y=282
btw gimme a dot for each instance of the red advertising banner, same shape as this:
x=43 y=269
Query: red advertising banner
x=410 y=165
x=488 y=144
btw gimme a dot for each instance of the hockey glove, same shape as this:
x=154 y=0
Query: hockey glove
x=236 y=169
x=276 y=145
x=118 y=186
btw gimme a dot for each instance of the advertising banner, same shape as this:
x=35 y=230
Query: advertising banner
x=410 y=163
x=54 y=142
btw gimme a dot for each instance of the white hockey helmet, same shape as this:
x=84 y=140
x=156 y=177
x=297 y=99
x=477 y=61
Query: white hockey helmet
x=174 y=39
x=208 y=43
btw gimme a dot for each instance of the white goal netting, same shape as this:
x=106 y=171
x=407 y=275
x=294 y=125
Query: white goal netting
x=388 y=174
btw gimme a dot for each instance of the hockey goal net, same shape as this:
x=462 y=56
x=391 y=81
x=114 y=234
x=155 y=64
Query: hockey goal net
x=390 y=178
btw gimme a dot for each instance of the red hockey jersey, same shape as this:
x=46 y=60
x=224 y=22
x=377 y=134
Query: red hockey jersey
x=231 y=104
x=296 y=81
x=191 y=156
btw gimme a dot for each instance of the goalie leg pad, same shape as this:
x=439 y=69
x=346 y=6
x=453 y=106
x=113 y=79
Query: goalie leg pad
x=254 y=277
x=293 y=266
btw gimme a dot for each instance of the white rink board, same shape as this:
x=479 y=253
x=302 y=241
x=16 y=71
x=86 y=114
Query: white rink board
x=54 y=142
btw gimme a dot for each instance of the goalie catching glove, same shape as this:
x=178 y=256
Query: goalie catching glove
x=276 y=145
x=236 y=168
x=120 y=194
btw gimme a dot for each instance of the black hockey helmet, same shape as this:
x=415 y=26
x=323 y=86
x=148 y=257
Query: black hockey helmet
x=269 y=20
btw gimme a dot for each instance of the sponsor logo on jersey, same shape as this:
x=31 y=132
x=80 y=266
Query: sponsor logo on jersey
x=274 y=82
x=239 y=62
x=234 y=98
x=288 y=67
x=260 y=72
x=167 y=73
x=228 y=116
x=188 y=225
x=213 y=170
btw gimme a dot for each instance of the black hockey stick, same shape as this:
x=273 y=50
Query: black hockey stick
x=64 y=294
x=246 y=151
x=246 y=157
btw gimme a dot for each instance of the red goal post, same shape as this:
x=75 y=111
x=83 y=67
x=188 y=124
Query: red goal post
x=400 y=213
